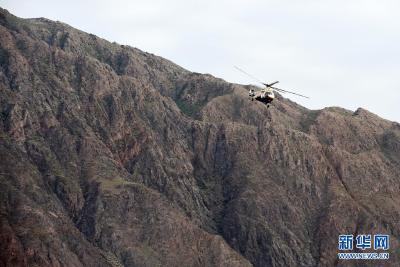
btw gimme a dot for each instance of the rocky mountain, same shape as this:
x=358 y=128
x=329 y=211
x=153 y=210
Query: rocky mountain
x=110 y=156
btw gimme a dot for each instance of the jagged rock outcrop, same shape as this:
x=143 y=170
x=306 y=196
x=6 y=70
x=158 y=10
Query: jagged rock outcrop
x=110 y=156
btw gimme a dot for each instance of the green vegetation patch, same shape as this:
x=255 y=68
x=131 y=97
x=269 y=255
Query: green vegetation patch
x=189 y=109
x=309 y=120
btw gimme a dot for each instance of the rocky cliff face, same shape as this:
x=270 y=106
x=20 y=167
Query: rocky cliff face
x=110 y=156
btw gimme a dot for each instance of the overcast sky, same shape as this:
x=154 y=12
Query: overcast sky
x=340 y=53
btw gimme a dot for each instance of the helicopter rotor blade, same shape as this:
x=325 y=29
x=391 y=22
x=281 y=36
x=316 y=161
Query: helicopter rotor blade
x=284 y=91
x=248 y=74
x=270 y=84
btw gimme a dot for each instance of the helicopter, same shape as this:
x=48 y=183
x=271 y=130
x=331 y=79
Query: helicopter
x=265 y=95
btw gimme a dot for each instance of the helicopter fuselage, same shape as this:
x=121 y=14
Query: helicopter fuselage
x=265 y=95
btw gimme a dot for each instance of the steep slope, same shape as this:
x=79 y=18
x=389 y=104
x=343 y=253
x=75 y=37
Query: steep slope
x=111 y=156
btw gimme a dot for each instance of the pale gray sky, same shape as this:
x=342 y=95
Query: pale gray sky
x=338 y=52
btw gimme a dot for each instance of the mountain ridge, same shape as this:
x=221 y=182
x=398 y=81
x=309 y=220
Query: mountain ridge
x=111 y=156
